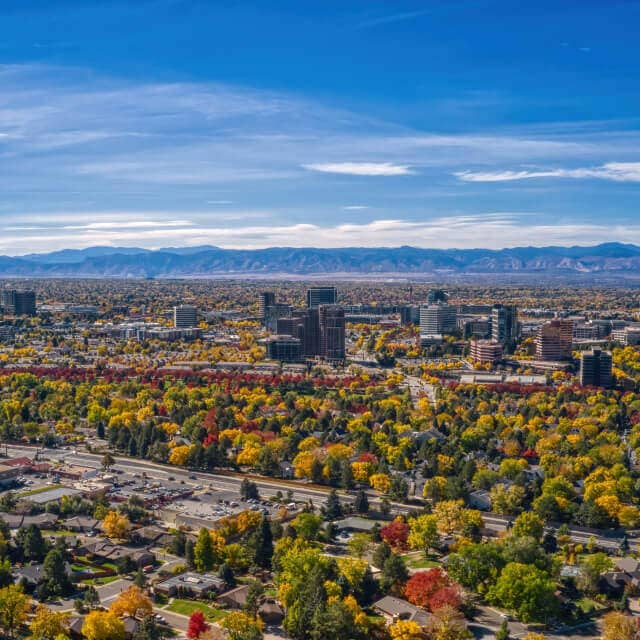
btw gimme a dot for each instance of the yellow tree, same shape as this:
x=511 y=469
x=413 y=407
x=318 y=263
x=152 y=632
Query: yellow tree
x=115 y=525
x=380 y=482
x=132 y=602
x=405 y=630
x=103 y=625
x=617 y=626
x=447 y=623
x=47 y=624
x=179 y=455
x=241 y=625
x=14 y=606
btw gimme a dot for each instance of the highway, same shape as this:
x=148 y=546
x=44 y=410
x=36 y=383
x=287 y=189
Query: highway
x=268 y=486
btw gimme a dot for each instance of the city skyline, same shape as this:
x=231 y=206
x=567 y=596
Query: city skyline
x=247 y=126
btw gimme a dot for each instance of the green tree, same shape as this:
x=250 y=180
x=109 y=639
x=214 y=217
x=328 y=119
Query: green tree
x=476 y=566
x=54 y=571
x=262 y=544
x=361 y=503
x=528 y=524
x=203 y=552
x=527 y=591
x=394 y=573
x=333 y=508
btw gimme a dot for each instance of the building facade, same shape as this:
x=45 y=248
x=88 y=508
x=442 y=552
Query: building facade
x=436 y=319
x=485 y=351
x=504 y=323
x=317 y=296
x=19 y=302
x=554 y=340
x=184 y=316
x=332 y=332
x=595 y=368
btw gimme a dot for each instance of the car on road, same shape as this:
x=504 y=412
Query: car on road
x=193 y=477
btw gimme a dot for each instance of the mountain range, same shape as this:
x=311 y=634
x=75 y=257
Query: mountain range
x=132 y=262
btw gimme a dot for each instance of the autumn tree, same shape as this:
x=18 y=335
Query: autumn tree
x=423 y=532
x=432 y=589
x=447 y=623
x=132 y=602
x=14 y=606
x=405 y=630
x=116 y=525
x=242 y=626
x=197 y=625
x=47 y=624
x=103 y=625
x=396 y=533
x=203 y=552
x=618 y=626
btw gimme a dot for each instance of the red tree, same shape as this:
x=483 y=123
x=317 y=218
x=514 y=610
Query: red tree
x=197 y=625
x=432 y=589
x=395 y=533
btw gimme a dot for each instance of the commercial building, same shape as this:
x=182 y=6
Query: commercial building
x=554 y=340
x=304 y=325
x=266 y=299
x=436 y=319
x=273 y=313
x=18 y=302
x=185 y=316
x=332 y=332
x=321 y=295
x=284 y=348
x=485 y=351
x=504 y=323
x=595 y=368
x=473 y=326
x=627 y=336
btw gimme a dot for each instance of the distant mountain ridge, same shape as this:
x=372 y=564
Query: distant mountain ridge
x=133 y=262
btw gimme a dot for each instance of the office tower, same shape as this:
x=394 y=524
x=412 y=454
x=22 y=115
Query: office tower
x=437 y=295
x=554 y=340
x=321 y=295
x=595 y=368
x=284 y=348
x=436 y=319
x=332 y=332
x=19 y=302
x=273 y=313
x=266 y=299
x=184 y=316
x=504 y=323
x=485 y=351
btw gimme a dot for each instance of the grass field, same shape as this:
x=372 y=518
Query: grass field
x=187 y=607
x=33 y=492
x=417 y=560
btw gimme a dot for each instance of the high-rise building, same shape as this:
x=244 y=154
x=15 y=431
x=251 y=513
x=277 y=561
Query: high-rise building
x=321 y=295
x=595 y=368
x=485 y=351
x=554 y=340
x=437 y=295
x=184 y=316
x=284 y=348
x=19 y=302
x=305 y=325
x=436 y=319
x=332 y=332
x=275 y=312
x=266 y=299
x=504 y=323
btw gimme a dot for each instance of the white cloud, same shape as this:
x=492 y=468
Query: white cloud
x=489 y=230
x=616 y=171
x=361 y=168
x=355 y=207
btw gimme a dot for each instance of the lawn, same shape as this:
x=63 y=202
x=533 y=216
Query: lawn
x=187 y=607
x=587 y=605
x=98 y=581
x=417 y=560
x=32 y=492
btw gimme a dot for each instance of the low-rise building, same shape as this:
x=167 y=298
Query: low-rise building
x=485 y=351
x=191 y=584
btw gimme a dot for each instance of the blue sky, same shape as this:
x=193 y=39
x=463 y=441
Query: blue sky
x=270 y=123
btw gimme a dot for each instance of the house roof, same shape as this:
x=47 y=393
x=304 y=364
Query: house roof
x=396 y=607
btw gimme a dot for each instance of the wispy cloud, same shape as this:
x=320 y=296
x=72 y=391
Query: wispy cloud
x=392 y=17
x=488 y=230
x=616 y=171
x=361 y=168
x=355 y=207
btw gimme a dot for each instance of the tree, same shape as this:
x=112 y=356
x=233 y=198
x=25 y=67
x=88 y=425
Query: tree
x=398 y=489
x=54 y=571
x=249 y=490
x=33 y=545
x=115 y=525
x=528 y=524
x=361 y=503
x=405 y=630
x=263 y=544
x=14 y=606
x=382 y=552
x=527 y=591
x=254 y=595
x=591 y=568
x=394 y=573
x=197 y=625
x=189 y=553
x=307 y=525
x=47 y=624
x=334 y=621
x=359 y=544
x=148 y=630
x=203 y=552
x=423 y=532
x=90 y=597
x=431 y=589
x=447 y=623
x=396 y=533
x=503 y=632
x=241 y=626
x=476 y=566
x=333 y=508
x=618 y=626
x=103 y=625
x=108 y=461
x=132 y=602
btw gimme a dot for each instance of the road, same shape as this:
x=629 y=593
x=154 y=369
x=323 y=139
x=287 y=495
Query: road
x=302 y=492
